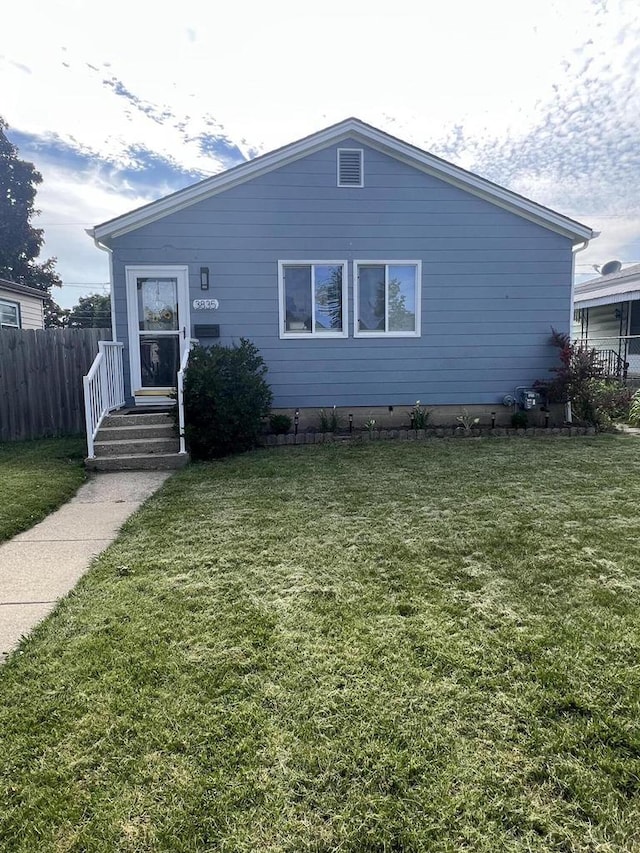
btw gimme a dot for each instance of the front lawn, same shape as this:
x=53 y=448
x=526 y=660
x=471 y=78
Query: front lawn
x=386 y=647
x=35 y=478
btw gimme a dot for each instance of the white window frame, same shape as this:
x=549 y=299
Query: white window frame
x=11 y=304
x=359 y=151
x=313 y=334
x=399 y=262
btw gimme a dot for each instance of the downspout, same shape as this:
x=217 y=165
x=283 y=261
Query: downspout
x=91 y=232
x=574 y=251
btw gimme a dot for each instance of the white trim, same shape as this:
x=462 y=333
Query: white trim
x=397 y=262
x=353 y=130
x=359 y=151
x=312 y=335
x=611 y=299
x=112 y=295
x=181 y=273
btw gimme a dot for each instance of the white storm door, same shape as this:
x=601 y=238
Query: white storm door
x=159 y=327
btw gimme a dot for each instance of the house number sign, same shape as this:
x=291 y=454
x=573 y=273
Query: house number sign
x=204 y=304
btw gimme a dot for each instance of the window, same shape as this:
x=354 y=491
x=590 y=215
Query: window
x=387 y=298
x=9 y=314
x=313 y=299
x=350 y=172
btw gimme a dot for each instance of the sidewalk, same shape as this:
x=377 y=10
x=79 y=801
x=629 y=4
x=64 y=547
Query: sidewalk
x=43 y=564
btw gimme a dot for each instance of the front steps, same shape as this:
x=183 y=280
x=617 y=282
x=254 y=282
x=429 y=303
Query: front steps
x=131 y=441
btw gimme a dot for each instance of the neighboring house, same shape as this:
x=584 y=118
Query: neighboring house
x=367 y=271
x=607 y=317
x=21 y=307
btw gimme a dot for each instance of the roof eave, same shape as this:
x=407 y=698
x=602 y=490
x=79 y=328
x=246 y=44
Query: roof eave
x=415 y=157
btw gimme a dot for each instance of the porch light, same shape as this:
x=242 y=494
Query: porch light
x=204 y=278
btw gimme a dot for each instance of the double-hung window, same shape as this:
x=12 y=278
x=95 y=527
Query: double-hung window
x=9 y=314
x=313 y=299
x=387 y=298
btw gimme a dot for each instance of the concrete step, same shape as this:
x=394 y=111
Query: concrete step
x=127 y=432
x=119 y=419
x=137 y=462
x=137 y=447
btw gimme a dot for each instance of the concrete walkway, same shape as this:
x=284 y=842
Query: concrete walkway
x=43 y=564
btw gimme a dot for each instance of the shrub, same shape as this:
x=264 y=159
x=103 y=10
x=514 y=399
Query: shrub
x=634 y=410
x=519 y=420
x=580 y=379
x=611 y=400
x=419 y=416
x=226 y=397
x=466 y=420
x=280 y=424
x=329 y=420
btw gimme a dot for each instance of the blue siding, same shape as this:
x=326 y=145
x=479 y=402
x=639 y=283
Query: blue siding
x=493 y=283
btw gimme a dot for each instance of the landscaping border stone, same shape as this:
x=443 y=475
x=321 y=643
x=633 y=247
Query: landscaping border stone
x=421 y=435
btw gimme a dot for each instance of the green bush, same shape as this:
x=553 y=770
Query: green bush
x=519 y=420
x=634 y=410
x=611 y=401
x=329 y=421
x=419 y=416
x=595 y=399
x=225 y=397
x=280 y=424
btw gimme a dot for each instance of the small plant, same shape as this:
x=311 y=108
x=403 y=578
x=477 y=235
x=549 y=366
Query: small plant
x=329 y=420
x=280 y=424
x=419 y=416
x=634 y=410
x=370 y=425
x=466 y=420
x=519 y=420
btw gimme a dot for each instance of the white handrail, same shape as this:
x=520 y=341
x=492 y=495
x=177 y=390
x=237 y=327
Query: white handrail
x=180 y=395
x=103 y=388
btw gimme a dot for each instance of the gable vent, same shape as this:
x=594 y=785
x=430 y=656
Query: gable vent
x=350 y=167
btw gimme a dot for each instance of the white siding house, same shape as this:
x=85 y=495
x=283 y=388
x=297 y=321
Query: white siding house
x=21 y=307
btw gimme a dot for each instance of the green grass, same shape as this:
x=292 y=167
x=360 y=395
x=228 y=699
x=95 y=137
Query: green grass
x=35 y=478
x=386 y=647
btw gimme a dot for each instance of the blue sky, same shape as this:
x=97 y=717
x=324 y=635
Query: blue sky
x=120 y=108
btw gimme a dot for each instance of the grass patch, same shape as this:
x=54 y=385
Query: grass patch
x=36 y=477
x=389 y=647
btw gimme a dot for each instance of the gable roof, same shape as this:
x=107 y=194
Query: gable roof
x=21 y=289
x=620 y=286
x=351 y=128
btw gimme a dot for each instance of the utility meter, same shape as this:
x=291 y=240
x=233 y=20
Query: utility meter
x=528 y=399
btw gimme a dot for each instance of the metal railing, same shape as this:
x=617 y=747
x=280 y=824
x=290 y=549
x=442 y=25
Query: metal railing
x=180 y=395
x=103 y=388
x=618 y=355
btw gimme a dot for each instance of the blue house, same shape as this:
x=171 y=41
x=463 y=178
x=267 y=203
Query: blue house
x=368 y=272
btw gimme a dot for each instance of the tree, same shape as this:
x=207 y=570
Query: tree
x=91 y=312
x=20 y=242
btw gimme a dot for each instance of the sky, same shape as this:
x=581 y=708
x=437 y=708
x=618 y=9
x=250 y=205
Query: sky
x=121 y=104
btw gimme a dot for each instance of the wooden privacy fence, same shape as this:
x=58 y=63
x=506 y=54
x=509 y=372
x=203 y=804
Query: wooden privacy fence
x=41 y=374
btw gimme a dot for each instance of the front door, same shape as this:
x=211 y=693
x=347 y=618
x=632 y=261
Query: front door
x=159 y=328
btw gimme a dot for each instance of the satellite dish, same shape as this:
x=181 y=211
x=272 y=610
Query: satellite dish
x=611 y=267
